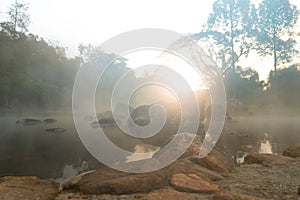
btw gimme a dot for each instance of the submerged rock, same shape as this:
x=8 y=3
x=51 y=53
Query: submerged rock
x=27 y=188
x=56 y=130
x=293 y=151
x=49 y=121
x=103 y=122
x=28 y=121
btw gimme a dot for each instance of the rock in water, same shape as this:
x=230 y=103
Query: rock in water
x=95 y=124
x=28 y=121
x=49 y=121
x=293 y=151
x=56 y=130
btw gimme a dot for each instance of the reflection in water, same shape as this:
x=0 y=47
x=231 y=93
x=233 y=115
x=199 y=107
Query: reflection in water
x=142 y=152
x=70 y=171
x=283 y=132
x=30 y=150
x=265 y=146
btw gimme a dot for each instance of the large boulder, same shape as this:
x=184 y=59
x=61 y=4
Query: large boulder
x=216 y=160
x=268 y=160
x=110 y=181
x=185 y=166
x=293 y=151
x=27 y=188
x=193 y=183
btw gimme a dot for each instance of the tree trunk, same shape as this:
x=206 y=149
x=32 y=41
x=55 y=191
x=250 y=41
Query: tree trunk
x=274 y=52
x=275 y=59
x=232 y=39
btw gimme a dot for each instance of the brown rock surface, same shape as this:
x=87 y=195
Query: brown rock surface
x=168 y=194
x=293 y=151
x=185 y=166
x=193 y=183
x=27 y=188
x=215 y=163
x=277 y=182
x=234 y=196
x=110 y=181
x=267 y=159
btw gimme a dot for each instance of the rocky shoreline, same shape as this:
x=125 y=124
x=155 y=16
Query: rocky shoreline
x=215 y=177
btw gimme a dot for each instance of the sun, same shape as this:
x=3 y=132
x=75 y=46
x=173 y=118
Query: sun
x=143 y=57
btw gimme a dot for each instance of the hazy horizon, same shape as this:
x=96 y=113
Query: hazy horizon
x=69 y=23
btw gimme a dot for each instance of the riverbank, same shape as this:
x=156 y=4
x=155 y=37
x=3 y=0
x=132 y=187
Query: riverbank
x=211 y=178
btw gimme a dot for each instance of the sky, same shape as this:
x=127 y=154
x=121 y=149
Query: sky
x=68 y=23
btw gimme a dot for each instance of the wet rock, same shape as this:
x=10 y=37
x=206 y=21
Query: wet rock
x=140 y=115
x=95 y=124
x=56 y=130
x=233 y=196
x=268 y=160
x=27 y=188
x=49 y=121
x=168 y=194
x=193 y=183
x=293 y=151
x=28 y=121
x=103 y=122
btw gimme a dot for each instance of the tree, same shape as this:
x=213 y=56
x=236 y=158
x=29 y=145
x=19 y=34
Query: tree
x=230 y=26
x=94 y=57
x=19 y=19
x=243 y=84
x=285 y=86
x=275 y=37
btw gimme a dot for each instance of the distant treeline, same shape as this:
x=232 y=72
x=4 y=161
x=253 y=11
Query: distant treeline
x=33 y=73
x=281 y=89
x=37 y=74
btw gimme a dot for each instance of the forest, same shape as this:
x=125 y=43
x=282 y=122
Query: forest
x=36 y=74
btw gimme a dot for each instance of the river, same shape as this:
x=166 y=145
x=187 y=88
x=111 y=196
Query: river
x=31 y=150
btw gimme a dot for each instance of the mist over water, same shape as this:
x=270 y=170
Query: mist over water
x=245 y=133
x=30 y=150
